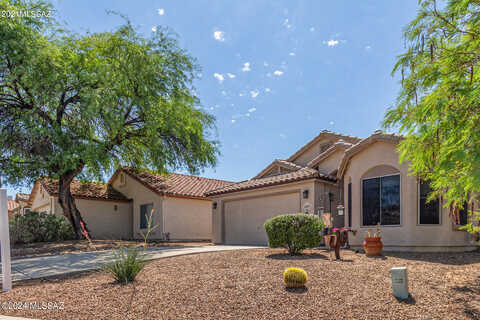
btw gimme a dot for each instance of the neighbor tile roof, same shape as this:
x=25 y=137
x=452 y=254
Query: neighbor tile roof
x=302 y=174
x=175 y=184
x=12 y=205
x=22 y=196
x=88 y=190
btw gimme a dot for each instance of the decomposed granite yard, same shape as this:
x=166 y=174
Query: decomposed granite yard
x=247 y=284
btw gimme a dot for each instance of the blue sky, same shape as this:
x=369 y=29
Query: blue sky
x=274 y=73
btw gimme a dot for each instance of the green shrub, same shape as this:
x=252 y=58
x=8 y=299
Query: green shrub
x=39 y=227
x=294 y=231
x=126 y=265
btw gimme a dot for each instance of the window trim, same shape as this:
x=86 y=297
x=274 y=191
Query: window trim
x=140 y=214
x=361 y=202
x=440 y=218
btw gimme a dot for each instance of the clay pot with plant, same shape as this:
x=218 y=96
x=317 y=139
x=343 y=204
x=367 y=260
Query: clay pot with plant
x=373 y=244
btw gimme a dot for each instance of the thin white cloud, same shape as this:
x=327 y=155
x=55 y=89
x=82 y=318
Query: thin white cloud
x=292 y=54
x=154 y=29
x=233 y=120
x=286 y=24
x=247 y=114
x=224 y=93
x=332 y=43
x=219 y=35
x=267 y=90
x=241 y=94
x=265 y=64
x=246 y=67
x=252 y=109
x=254 y=93
x=312 y=29
x=278 y=72
x=231 y=75
x=282 y=135
x=161 y=11
x=368 y=47
x=331 y=123
x=219 y=77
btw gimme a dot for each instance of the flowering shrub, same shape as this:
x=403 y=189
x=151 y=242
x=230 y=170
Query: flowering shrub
x=295 y=232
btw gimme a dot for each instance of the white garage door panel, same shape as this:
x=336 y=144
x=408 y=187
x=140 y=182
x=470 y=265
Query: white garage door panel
x=244 y=219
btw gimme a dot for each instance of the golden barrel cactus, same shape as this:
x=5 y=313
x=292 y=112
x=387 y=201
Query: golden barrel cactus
x=294 y=277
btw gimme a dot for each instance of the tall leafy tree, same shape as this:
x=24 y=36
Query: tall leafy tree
x=80 y=105
x=438 y=108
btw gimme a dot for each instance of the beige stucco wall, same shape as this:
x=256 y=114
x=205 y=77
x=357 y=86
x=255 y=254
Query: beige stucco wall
x=140 y=195
x=42 y=201
x=246 y=211
x=332 y=162
x=187 y=219
x=312 y=152
x=381 y=158
x=105 y=219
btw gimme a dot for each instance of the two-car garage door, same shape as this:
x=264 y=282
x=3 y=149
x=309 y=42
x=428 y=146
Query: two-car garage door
x=244 y=218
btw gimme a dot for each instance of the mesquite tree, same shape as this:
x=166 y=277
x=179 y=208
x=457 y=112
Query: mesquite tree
x=438 y=108
x=80 y=105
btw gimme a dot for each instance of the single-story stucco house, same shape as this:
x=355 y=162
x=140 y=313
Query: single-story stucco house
x=120 y=208
x=359 y=181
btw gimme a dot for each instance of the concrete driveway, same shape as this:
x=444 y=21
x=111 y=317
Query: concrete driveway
x=48 y=266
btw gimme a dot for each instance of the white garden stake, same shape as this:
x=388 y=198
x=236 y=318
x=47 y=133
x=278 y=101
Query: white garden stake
x=5 y=242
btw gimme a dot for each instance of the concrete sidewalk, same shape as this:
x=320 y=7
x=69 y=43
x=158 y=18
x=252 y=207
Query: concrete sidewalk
x=48 y=266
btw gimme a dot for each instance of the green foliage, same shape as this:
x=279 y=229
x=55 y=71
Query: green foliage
x=437 y=108
x=126 y=265
x=39 y=227
x=294 y=232
x=294 y=277
x=85 y=104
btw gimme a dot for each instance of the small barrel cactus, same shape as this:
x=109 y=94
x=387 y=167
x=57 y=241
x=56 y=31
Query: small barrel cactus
x=294 y=277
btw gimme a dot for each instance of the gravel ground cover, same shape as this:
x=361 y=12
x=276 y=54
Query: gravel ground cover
x=52 y=248
x=247 y=284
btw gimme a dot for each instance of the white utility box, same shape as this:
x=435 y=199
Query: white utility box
x=399 y=282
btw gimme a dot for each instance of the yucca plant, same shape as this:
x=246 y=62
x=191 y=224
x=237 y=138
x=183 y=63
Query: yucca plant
x=126 y=265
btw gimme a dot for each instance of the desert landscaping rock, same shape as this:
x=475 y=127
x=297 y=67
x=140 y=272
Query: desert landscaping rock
x=247 y=284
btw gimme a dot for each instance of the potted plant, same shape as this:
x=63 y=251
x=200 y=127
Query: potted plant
x=373 y=245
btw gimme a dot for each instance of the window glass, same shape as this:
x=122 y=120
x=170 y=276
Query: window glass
x=390 y=200
x=145 y=210
x=381 y=201
x=371 y=201
x=429 y=211
x=463 y=215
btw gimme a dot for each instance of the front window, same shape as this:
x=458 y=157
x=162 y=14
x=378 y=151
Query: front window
x=145 y=210
x=429 y=212
x=463 y=215
x=381 y=200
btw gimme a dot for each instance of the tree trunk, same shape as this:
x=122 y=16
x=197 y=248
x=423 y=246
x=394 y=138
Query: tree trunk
x=67 y=202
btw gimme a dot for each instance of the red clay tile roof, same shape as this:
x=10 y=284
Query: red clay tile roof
x=86 y=190
x=302 y=174
x=175 y=184
x=12 y=205
x=22 y=196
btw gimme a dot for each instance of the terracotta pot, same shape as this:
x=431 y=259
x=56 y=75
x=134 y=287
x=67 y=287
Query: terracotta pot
x=373 y=246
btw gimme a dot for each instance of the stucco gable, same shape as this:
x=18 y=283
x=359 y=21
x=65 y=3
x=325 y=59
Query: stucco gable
x=377 y=136
x=319 y=144
x=337 y=148
x=276 y=168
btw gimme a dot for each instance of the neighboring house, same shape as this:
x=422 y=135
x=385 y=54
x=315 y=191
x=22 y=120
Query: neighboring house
x=13 y=208
x=120 y=209
x=22 y=200
x=329 y=173
x=107 y=212
x=181 y=209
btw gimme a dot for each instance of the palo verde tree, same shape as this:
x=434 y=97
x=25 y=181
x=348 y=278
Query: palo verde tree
x=80 y=105
x=438 y=108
